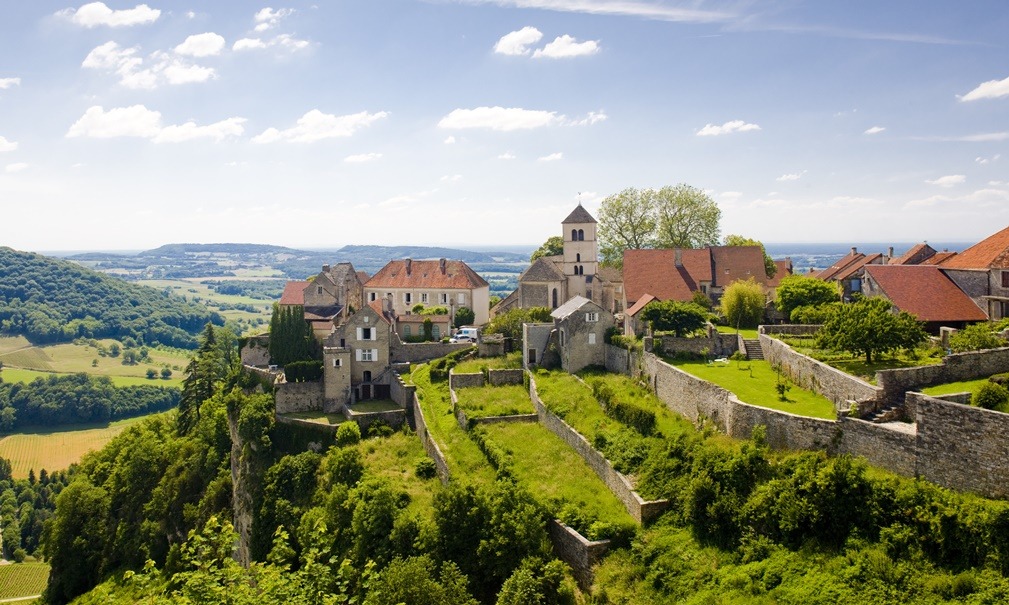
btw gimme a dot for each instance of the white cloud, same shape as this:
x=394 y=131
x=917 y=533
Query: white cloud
x=986 y=161
x=711 y=130
x=450 y=140
x=138 y=121
x=518 y=42
x=565 y=47
x=201 y=45
x=96 y=14
x=163 y=68
x=506 y=156
x=267 y=17
x=949 y=180
x=315 y=126
x=631 y=8
x=982 y=198
x=190 y=15
x=360 y=158
x=6 y=145
x=498 y=118
x=16 y=167
x=283 y=41
x=795 y=176
x=730 y=196
x=875 y=130
x=992 y=89
x=451 y=178
x=594 y=117
x=553 y=157
x=6 y=83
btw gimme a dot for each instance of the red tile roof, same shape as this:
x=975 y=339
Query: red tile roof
x=917 y=255
x=925 y=292
x=851 y=269
x=990 y=253
x=733 y=263
x=939 y=257
x=784 y=270
x=655 y=272
x=294 y=293
x=376 y=306
x=426 y=274
x=842 y=263
x=642 y=302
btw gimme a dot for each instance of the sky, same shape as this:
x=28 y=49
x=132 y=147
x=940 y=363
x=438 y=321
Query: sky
x=484 y=122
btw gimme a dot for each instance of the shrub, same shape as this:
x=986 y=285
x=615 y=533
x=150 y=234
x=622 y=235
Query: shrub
x=975 y=337
x=379 y=428
x=303 y=371
x=991 y=396
x=425 y=468
x=348 y=433
x=640 y=419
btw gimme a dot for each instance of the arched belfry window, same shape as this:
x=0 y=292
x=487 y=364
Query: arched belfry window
x=581 y=235
x=578 y=258
x=574 y=235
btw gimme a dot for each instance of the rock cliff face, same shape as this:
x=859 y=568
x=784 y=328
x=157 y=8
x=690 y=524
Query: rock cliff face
x=242 y=478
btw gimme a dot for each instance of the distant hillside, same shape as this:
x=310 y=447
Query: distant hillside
x=175 y=250
x=423 y=252
x=50 y=300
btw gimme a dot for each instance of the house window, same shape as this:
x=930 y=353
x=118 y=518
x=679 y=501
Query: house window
x=593 y=316
x=372 y=296
x=856 y=285
x=578 y=258
x=592 y=338
x=581 y=235
x=554 y=298
x=407 y=297
x=574 y=235
x=435 y=332
x=462 y=298
x=423 y=297
x=366 y=334
x=406 y=330
x=337 y=363
x=318 y=290
x=444 y=298
x=366 y=376
x=1005 y=279
x=562 y=337
x=367 y=354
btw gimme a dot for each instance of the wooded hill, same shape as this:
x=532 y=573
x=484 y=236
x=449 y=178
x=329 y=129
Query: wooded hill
x=50 y=300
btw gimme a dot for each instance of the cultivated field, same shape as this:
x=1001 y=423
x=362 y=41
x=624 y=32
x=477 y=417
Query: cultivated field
x=25 y=363
x=193 y=291
x=22 y=580
x=54 y=449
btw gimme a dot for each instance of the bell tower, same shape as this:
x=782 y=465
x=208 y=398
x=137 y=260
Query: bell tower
x=581 y=250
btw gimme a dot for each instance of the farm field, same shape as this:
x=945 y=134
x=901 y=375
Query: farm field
x=13 y=343
x=19 y=580
x=193 y=291
x=53 y=449
x=27 y=363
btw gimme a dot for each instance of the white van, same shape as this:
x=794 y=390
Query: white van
x=465 y=334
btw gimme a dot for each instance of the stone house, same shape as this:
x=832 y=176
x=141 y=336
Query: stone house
x=446 y=283
x=982 y=271
x=356 y=356
x=581 y=326
x=550 y=281
x=849 y=270
x=412 y=326
x=326 y=298
x=924 y=291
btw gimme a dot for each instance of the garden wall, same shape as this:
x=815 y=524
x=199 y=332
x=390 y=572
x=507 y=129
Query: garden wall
x=718 y=344
x=954 y=368
x=400 y=392
x=428 y=441
x=791 y=329
x=819 y=377
x=963 y=447
x=394 y=418
x=299 y=397
x=890 y=448
x=462 y=381
x=576 y=551
x=413 y=352
x=641 y=510
x=503 y=377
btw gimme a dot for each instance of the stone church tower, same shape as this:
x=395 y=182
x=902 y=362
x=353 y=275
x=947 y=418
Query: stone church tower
x=581 y=252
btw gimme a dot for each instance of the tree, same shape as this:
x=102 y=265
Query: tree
x=870 y=327
x=681 y=318
x=804 y=291
x=291 y=337
x=464 y=316
x=552 y=247
x=166 y=372
x=204 y=371
x=627 y=221
x=152 y=373
x=738 y=240
x=687 y=218
x=743 y=303
x=510 y=322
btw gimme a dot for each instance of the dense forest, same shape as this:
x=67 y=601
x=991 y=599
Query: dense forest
x=50 y=300
x=77 y=399
x=25 y=505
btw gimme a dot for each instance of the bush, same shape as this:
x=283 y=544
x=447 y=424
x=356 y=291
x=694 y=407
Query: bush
x=425 y=468
x=640 y=419
x=975 y=337
x=379 y=428
x=303 y=371
x=348 y=433
x=991 y=396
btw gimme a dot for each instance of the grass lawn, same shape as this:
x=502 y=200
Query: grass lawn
x=553 y=473
x=71 y=358
x=510 y=361
x=317 y=417
x=569 y=398
x=56 y=448
x=394 y=458
x=747 y=333
x=506 y=400
x=628 y=390
x=855 y=365
x=465 y=460
x=966 y=386
x=375 y=405
x=23 y=580
x=754 y=383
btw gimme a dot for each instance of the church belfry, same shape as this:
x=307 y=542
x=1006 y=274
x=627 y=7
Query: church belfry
x=581 y=251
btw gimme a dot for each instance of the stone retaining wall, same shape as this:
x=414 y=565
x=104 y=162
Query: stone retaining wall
x=792 y=329
x=503 y=377
x=954 y=368
x=894 y=449
x=299 y=397
x=430 y=446
x=400 y=392
x=462 y=381
x=819 y=377
x=576 y=551
x=641 y=510
x=394 y=418
x=315 y=426
x=718 y=344
x=414 y=352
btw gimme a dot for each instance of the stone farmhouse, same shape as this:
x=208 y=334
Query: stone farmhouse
x=574 y=340
x=445 y=283
x=328 y=297
x=982 y=272
x=356 y=356
x=553 y=280
x=923 y=291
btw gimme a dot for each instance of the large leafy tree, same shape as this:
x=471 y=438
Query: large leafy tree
x=804 y=291
x=738 y=240
x=870 y=327
x=743 y=303
x=552 y=247
x=678 y=216
x=681 y=318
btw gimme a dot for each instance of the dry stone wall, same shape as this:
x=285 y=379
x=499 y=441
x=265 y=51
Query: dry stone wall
x=430 y=446
x=891 y=446
x=954 y=368
x=576 y=551
x=413 y=352
x=462 y=381
x=817 y=376
x=504 y=377
x=718 y=344
x=293 y=397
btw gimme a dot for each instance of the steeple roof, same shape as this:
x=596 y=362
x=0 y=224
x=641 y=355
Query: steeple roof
x=579 y=215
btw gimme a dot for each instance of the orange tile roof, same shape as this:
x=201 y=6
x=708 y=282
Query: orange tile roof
x=376 y=306
x=732 y=263
x=294 y=293
x=925 y=292
x=841 y=264
x=642 y=302
x=939 y=257
x=917 y=255
x=655 y=272
x=851 y=269
x=784 y=270
x=990 y=253
x=426 y=274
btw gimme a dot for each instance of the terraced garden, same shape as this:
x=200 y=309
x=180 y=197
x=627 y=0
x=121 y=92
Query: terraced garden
x=505 y=400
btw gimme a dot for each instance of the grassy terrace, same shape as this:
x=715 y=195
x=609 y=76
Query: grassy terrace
x=855 y=365
x=750 y=334
x=569 y=398
x=375 y=405
x=966 y=386
x=511 y=361
x=394 y=458
x=627 y=390
x=553 y=473
x=754 y=382
x=506 y=400
x=465 y=460
x=317 y=417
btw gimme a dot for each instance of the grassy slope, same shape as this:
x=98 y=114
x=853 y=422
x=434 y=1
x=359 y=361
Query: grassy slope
x=72 y=358
x=507 y=400
x=394 y=458
x=54 y=449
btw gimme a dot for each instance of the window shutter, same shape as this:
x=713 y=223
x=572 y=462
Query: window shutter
x=360 y=334
x=357 y=352
x=374 y=354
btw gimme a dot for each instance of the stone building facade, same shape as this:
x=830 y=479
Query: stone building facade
x=433 y=283
x=581 y=331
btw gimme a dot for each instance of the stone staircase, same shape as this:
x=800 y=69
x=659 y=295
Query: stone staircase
x=890 y=413
x=753 y=350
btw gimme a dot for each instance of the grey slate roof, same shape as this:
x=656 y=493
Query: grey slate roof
x=570 y=307
x=579 y=215
x=544 y=269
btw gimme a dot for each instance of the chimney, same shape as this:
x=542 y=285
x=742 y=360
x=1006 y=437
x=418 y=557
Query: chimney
x=325 y=268
x=678 y=257
x=441 y=265
x=854 y=250
x=890 y=252
x=409 y=265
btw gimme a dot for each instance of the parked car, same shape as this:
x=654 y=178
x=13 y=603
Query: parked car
x=465 y=334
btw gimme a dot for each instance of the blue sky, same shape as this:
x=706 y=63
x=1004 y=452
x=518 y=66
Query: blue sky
x=482 y=122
